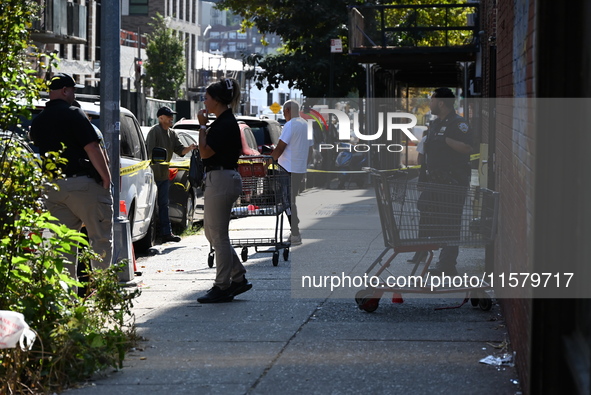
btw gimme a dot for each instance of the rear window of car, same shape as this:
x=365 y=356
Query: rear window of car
x=265 y=133
x=131 y=143
x=187 y=126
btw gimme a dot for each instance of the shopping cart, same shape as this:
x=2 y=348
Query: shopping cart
x=265 y=192
x=418 y=216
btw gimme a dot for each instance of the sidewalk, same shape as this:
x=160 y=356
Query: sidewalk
x=282 y=338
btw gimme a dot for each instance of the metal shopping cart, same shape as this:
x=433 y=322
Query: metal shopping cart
x=265 y=192
x=425 y=217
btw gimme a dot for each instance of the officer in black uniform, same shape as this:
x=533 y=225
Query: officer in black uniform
x=84 y=194
x=447 y=153
x=220 y=148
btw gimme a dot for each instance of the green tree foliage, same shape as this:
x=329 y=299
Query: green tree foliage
x=165 y=67
x=16 y=17
x=75 y=336
x=428 y=26
x=306 y=29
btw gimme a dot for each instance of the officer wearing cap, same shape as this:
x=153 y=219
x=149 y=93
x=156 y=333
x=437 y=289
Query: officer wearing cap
x=84 y=194
x=163 y=136
x=447 y=156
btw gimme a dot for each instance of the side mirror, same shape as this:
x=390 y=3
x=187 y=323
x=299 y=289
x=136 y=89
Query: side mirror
x=159 y=155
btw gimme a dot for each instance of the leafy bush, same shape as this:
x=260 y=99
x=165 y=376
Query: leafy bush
x=75 y=336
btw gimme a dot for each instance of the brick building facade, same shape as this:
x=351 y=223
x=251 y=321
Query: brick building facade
x=534 y=59
x=536 y=49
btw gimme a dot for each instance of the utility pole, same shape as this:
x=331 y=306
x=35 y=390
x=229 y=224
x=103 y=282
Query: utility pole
x=110 y=90
x=138 y=64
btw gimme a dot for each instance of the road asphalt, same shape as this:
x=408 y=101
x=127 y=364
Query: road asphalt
x=289 y=336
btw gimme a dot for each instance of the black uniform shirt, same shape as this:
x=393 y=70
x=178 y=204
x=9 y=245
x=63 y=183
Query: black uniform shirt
x=61 y=123
x=223 y=136
x=439 y=155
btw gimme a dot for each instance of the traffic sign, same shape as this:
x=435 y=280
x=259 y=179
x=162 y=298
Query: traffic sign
x=336 y=45
x=275 y=107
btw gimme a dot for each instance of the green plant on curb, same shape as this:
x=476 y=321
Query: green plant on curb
x=76 y=337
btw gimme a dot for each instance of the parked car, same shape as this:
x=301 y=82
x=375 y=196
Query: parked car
x=249 y=145
x=185 y=197
x=136 y=181
x=266 y=132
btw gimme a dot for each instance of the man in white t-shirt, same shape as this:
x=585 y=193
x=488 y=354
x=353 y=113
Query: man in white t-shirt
x=292 y=154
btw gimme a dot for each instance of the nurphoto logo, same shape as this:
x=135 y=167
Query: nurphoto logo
x=350 y=128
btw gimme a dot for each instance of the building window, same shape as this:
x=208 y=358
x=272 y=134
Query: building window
x=269 y=98
x=193 y=41
x=138 y=7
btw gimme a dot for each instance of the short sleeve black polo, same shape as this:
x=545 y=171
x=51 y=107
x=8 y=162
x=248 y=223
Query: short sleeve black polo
x=59 y=123
x=223 y=136
x=441 y=156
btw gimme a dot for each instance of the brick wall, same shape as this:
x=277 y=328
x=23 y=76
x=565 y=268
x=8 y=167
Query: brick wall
x=514 y=170
x=135 y=22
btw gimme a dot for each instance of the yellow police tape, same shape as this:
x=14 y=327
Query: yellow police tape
x=125 y=171
x=472 y=157
x=185 y=164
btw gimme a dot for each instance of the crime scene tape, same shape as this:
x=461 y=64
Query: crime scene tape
x=472 y=157
x=124 y=171
x=134 y=168
x=185 y=164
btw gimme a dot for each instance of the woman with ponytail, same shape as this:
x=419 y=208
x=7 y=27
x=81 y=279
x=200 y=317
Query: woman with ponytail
x=220 y=146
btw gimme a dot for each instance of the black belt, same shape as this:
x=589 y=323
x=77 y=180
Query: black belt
x=212 y=168
x=82 y=173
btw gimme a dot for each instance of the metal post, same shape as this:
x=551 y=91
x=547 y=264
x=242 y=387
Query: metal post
x=110 y=90
x=369 y=114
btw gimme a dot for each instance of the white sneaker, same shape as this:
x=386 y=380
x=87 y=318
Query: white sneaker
x=295 y=240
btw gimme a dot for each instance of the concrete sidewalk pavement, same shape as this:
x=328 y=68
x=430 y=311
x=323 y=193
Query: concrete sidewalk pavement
x=281 y=337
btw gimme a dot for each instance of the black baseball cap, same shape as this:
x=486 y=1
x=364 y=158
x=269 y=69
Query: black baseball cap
x=165 y=111
x=61 y=80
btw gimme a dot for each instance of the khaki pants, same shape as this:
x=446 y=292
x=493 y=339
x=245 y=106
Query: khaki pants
x=81 y=200
x=222 y=188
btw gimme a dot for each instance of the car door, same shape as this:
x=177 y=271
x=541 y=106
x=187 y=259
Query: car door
x=137 y=181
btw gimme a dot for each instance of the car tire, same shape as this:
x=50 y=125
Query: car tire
x=149 y=240
x=189 y=213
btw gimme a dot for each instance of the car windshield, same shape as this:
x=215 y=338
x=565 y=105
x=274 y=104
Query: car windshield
x=187 y=126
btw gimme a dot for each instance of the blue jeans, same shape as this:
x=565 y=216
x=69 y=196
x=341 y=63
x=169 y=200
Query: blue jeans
x=163 y=191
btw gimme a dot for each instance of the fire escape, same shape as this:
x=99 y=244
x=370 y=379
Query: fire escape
x=61 y=22
x=420 y=45
x=404 y=46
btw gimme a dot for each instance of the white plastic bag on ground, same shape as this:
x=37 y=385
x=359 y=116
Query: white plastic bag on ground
x=13 y=329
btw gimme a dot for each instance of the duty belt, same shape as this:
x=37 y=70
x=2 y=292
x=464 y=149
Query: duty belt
x=212 y=168
x=80 y=174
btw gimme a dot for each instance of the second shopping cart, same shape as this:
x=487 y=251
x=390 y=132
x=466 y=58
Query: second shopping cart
x=419 y=216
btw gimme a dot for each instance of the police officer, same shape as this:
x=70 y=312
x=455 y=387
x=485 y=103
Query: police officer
x=84 y=194
x=447 y=154
x=220 y=147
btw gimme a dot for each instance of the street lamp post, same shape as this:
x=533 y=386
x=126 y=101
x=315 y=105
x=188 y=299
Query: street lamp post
x=207 y=29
